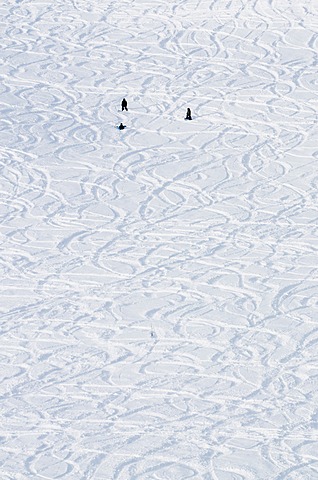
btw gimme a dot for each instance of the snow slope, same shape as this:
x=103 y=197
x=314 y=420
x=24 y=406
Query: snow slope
x=159 y=285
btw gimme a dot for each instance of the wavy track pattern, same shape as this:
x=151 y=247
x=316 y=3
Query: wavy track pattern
x=159 y=293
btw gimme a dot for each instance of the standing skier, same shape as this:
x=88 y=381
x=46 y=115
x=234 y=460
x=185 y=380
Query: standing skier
x=188 y=117
x=124 y=105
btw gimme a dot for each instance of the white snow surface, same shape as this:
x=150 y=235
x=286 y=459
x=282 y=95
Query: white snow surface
x=159 y=294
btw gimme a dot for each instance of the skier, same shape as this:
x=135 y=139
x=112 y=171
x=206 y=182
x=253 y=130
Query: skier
x=121 y=126
x=124 y=105
x=188 y=117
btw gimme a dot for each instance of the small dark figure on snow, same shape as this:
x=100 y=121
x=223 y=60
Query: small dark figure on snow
x=124 y=105
x=188 y=116
x=121 y=126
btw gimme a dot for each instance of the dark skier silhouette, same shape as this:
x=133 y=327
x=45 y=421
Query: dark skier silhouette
x=188 y=116
x=124 y=105
x=121 y=126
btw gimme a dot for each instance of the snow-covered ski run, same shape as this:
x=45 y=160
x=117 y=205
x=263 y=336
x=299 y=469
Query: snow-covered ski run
x=158 y=296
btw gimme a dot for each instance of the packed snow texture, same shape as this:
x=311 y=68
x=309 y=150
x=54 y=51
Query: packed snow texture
x=159 y=289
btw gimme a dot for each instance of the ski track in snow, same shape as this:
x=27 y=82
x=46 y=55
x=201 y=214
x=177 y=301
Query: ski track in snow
x=159 y=285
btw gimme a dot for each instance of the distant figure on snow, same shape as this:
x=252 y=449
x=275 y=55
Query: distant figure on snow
x=188 y=116
x=124 y=105
x=121 y=126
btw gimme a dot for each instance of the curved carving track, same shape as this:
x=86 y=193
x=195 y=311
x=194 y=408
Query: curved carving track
x=159 y=285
